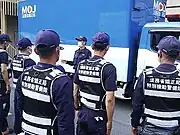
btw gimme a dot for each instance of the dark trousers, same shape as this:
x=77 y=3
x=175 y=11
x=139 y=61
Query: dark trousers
x=148 y=129
x=4 y=110
x=91 y=122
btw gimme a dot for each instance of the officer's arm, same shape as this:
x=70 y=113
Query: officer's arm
x=10 y=63
x=137 y=102
x=11 y=66
x=110 y=103
x=90 y=54
x=76 y=100
x=18 y=106
x=63 y=99
x=4 y=71
x=76 y=90
x=70 y=63
x=110 y=78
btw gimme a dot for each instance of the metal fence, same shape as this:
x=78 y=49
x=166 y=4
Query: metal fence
x=12 y=51
x=9 y=7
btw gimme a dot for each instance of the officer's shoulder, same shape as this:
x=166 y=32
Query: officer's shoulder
x=148 y=69
x=82 y=61
x=59 y=74
x=107 y=66
x=3 y=51
x=104 y=61
x=26 y=57
x=88 y=50
x=77 y=50
x=56 y=72
x=28 y=68
x=61 y=68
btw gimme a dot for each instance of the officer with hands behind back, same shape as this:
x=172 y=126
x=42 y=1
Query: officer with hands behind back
x=156 y=98
x=45 y=94
x=95 y=90
x=20 y=62
x=5 y=88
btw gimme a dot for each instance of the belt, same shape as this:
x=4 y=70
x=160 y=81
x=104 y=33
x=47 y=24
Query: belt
x=93 y=112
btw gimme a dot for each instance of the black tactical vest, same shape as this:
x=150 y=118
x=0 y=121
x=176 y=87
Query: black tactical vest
x=92 y=90
x=162 y=98
x=2 y=82
x=18 y=67
x=39 y=112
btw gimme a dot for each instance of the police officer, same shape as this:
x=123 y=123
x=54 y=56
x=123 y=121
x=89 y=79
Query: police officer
x=45 y=94
x=20 y=62
x=5 y=88
x=156 y=97
x=81 y=54
x=95 y=83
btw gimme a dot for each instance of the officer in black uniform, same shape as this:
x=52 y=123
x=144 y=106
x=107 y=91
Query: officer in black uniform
x=81 y=54
x=95 y=83
x=156 y=97
x=5 y=88
x=45 y=94
x=20 y=62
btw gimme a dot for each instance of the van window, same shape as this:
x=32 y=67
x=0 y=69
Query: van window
x=156 y=36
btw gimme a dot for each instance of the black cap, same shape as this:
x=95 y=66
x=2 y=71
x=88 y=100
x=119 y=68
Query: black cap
x=169 y=45
x=5 y=37
x=48 y=38
x=81 y=38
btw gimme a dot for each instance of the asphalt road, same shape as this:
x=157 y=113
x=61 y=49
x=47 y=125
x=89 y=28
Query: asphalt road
x=121 y=120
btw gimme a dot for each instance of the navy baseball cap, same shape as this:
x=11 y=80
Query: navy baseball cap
x=24 y=43
x=48 y=38
x=81 y=38
x=169 y=45
x=5 y=37
x=101 y=37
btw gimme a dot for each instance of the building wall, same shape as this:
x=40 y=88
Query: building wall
x=12 y=27
x=9 y=22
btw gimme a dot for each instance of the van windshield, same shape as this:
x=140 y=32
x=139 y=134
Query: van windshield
x=157 y=35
